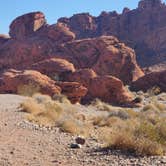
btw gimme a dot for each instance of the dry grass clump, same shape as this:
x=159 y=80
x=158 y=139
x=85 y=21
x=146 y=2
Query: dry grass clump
x=42 y=110
x=154 y=91
x=102 y=106
x=142 y=132
x=45 y=111
x=142 y=138
x=155 y=107
x=144 y=135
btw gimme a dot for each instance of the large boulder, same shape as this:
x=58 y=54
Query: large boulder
x=54 y=67
x=21 y=54
x=14 y=81
x=58 y=33
x=107 y=88
x=25 y=25
x=105 y=55
x=73 y=90
x=82 y=76
x=154 y=79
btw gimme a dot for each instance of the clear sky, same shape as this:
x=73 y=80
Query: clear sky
x=53 y=9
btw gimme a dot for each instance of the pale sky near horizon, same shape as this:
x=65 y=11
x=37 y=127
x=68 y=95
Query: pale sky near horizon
x=54 y=9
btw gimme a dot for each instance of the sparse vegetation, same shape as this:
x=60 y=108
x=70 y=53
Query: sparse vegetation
x=142 y=132
x=45 y=111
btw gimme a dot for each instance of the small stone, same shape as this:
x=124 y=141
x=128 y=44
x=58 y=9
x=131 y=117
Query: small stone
x=80 y=140
x=75 y=146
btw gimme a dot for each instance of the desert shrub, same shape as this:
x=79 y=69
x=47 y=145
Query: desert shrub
x=43 y=110
x=143 y=133
x=139 y=136
x=154 y=106
x=102 y=106
x=154 y=91
x=74 y=126
x=61 y=98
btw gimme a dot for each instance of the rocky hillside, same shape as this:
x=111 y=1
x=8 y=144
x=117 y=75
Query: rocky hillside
x=38 y=56
x=143 y=29
x=81 y=57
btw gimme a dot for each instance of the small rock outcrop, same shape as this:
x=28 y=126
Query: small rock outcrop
x=12 y=81
x=57 y=33
x=73 y=90
x=26 y=25
x=154 y=79
x=82 y=76
x=54 y=67
x=109 y=89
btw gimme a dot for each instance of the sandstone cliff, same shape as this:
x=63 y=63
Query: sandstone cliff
x=143 y=29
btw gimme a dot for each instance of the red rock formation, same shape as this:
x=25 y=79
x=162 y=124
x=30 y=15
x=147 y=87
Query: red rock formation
x=32 y=41
x=154 y=79
x=73 y=90
x=53 y=67
x=26 y=25
x=109 y=89
x=82 y=76
x=106 y=88
x=105 y=55
x=58 y=33
x=143 y=29
x=21 y=54
x=12 y=80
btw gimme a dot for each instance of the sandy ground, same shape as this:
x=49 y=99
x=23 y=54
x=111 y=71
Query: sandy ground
x=26 y=144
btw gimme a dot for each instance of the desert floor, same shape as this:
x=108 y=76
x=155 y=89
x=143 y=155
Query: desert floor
x=23 y=143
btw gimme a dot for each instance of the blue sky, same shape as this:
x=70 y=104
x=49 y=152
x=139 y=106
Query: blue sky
x=53 y=9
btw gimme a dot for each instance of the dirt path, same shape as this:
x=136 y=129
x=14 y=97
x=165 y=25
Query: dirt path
x=25 y=144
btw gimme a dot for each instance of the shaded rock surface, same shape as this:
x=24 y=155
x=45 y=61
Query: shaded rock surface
x=25 y=25
x=105 y=55
x=154 y=79
x=54 y=67
x=73 y=90
x=107 y=88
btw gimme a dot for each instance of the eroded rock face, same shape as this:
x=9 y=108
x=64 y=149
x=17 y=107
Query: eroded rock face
x=31 y=41
x=26 y=25
x=154 y=79
x=73 y=90
x=143 y=29
x=105 y=55
x=58 y=33
x=54 y=67
x=107 y=88
x=21 y=54
x=82 y=76
x=12 y=80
